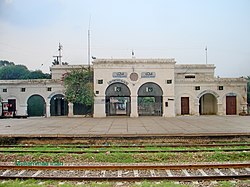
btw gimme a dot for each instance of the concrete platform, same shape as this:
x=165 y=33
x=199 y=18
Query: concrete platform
x=123 y=126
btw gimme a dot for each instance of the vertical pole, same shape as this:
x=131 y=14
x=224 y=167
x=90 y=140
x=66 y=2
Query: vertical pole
x=89 y=49
x=206 y=54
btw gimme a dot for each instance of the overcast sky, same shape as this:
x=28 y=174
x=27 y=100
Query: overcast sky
x=30 y=31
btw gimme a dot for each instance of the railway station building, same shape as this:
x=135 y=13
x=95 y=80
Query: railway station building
x=133 y=88
x=160 y=87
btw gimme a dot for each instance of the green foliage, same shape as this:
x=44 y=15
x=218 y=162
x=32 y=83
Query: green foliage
x=5 y=63
x=10 y=71
x=38 y=74
x=79 y=87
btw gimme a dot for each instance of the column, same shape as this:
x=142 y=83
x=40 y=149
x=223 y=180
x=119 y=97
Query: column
x=48 y=109
x=70 y=112
x=134 y=105
x=197 y=107
x=168 y=106
x=220 y=109
x=99 y=107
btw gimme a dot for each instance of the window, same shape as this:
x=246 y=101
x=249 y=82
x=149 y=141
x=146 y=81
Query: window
x=189 y=76
x=96 y=92
x=169 y=81
x=49 y=89
x=197 y=87
x=100 y=81
x=5 y=90
x=23 y=89
x=220 y=87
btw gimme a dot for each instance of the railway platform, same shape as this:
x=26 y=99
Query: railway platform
x=125 y=127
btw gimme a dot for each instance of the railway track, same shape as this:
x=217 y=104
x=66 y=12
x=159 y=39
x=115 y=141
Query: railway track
x=188 y=172
x=125 y=151
x=129 y=146
x=159 y=148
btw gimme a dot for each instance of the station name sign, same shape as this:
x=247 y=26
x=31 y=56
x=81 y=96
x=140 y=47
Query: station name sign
x=118 y=81
x=119 y=74
x=148 y=74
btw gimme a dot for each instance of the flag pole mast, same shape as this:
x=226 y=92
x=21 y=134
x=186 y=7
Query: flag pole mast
x=89 y=44
x=206 y=54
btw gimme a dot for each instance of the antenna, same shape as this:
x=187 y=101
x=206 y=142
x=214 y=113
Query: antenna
x=58 y=60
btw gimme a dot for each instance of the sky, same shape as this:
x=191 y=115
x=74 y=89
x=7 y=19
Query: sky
x=30 y=31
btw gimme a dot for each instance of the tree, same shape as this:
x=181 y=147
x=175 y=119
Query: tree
x=38 y=74
x=5 y=63
x=79 y=87
x=12 y=72
x=248 y=89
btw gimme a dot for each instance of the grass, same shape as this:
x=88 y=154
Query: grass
x=109 y=155
x=39 y=183
x=128 y=157
x=118 y=149
x=48 y=183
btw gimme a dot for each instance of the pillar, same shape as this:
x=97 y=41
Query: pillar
x=197 y=107
x=134 y=105
x=220 y=111
x=99 y=107
x=70 y=112
x=48 y=109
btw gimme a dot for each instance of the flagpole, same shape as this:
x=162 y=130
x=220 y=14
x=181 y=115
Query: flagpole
x=206 y=54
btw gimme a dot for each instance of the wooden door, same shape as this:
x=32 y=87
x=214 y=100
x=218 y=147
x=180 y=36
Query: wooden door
x=231 y=105
x=184 y=105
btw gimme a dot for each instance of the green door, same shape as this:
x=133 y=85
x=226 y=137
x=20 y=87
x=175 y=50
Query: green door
x=36 y=106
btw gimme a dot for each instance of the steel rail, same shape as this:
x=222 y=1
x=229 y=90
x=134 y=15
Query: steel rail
x=155 y=178
x=129 y=146
x=125 y=151
x=126 y=167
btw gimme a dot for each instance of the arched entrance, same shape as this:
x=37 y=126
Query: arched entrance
x=208 y=104
x=58 y=105
x=36 y=106
x=118 y=100
x=150 y=100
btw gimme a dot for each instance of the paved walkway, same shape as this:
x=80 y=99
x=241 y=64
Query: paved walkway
x=123 y=126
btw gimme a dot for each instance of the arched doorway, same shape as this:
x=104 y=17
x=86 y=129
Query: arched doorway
x=150 y=100
x=36 y=106
x=208 y=104
x=118 y=100
x=58 y=105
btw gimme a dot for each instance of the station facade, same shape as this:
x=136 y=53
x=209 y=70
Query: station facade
x=133 y=87
x=160 y=87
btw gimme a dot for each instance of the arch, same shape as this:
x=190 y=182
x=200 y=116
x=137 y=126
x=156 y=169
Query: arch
x=58 y=105
x=150 y=100
x=36 y=105
x=208 y=104
x=150 y=89
x=117 y=100
x=117 y=89
x=208 y=92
